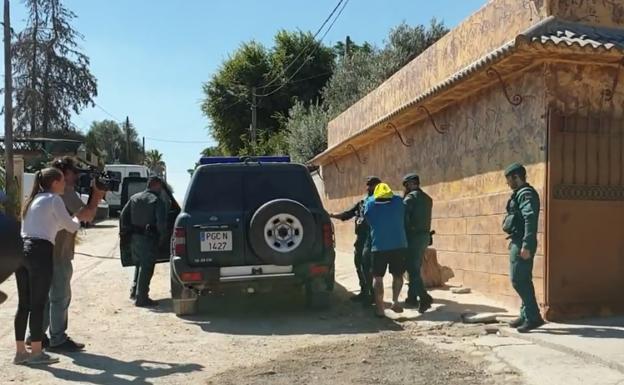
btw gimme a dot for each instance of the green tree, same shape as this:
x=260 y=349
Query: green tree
x=154 y=161
x=355 y=74
x=109 y=141
x=52 y=78
x=307 y=131
x=281 y=75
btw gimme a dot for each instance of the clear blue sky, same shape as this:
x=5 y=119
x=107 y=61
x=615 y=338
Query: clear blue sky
x=151 y=56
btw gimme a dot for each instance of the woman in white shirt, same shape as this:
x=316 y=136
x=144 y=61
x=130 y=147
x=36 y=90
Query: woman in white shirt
x=43 y=216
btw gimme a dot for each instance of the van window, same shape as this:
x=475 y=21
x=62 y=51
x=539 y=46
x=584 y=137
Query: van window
x=134 y=173
x=117 y=176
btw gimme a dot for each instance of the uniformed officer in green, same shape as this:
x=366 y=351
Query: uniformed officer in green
x=362 y=253
x=418 y=207
x=145 y=217
x=520 y=223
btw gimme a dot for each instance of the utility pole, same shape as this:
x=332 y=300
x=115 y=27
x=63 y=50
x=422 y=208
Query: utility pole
x=348 y=45
x=144 y=148
x=253 y=115
x=127 y=139
x=8 y=112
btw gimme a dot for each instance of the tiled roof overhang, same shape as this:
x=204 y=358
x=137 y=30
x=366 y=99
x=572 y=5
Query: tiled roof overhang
x=551 y=39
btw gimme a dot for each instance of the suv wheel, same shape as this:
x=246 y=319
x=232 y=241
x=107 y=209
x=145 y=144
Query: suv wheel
x=184 y=301
x=318 y=294
x=282 y=232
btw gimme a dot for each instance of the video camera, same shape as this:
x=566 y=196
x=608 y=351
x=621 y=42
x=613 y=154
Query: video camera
x=104 y=180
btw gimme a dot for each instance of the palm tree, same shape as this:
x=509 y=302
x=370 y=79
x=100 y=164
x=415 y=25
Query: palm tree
x=154 y=161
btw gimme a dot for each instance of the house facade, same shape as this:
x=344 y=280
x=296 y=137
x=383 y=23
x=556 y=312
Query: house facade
x=535 y=82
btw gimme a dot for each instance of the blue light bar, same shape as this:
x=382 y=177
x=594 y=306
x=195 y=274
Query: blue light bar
x=237 y=159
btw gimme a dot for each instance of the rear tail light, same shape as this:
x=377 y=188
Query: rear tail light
x=191 y=277
x=318 y=270
x=328 y=235
x=179 y=241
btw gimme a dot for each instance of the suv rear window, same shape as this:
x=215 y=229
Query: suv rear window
x=262 y=187
x=212 y=191
x=227 y=190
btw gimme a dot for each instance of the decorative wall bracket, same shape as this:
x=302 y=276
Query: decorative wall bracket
x=443 y=127
x=609 y=93
x=406 y=142
x=514 y=100
x=336 y=164
x=357 y=154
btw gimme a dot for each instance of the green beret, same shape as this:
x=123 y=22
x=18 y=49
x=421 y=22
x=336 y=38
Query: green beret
x=411 y=177
x=515 y=168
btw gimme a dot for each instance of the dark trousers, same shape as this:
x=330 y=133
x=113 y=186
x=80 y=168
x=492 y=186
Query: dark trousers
x=417 y=246
x=34 y=278
x=362 y=260
x=521 y=272
x=144 y=251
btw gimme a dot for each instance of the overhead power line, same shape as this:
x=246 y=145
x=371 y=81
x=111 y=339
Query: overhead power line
x=307 y=46
x=106 y=112
x=309 y=56
x=177 y=141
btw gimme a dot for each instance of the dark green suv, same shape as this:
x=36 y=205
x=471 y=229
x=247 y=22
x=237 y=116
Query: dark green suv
x=251 y=225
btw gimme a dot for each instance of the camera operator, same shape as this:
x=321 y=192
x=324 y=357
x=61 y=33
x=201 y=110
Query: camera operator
x=57 y=309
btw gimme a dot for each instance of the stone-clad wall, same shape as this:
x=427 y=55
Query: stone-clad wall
x=461 y=170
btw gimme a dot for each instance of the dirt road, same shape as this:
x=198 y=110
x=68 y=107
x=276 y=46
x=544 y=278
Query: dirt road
x=249 y=340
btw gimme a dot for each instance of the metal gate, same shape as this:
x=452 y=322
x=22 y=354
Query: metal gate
x=585 y=212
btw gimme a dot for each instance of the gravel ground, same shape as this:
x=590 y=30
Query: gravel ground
x=387 y=359
x=243 y=341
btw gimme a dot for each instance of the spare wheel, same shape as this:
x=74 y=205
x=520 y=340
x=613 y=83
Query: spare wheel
x=282 y=232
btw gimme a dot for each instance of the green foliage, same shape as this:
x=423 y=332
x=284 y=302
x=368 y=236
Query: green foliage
x=228 y=95
x=356 y=73
x=213 y=151
x=307 y=131
x=154 y=161
x=109 y=141
x=52 y=78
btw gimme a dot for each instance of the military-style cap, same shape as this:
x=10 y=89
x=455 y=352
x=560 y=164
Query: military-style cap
x=515 y=168
x=372 y=180
x=154 y=178
x=411 y=177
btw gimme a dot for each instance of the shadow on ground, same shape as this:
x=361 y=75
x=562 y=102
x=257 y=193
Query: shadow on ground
x=608 y=327
x=446 y=311
x=283 y=313
x=107 y=370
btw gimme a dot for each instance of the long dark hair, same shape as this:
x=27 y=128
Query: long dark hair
x=43 y=182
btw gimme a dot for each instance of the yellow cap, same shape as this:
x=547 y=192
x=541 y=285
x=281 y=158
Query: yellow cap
x=383 y=191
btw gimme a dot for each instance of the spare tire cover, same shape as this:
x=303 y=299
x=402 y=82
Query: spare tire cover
x=282 y=232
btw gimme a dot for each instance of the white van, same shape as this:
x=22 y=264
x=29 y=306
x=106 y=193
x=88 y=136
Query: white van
x=120 y=172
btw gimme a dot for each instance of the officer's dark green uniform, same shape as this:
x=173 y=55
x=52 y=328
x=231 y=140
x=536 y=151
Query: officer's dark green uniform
x=362 y=258
x=521 y=224
x=145 y=216
x=418 y=208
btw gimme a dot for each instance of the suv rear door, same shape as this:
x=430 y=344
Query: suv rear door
x=267 y=182
x=134 y=185
x=215 y=233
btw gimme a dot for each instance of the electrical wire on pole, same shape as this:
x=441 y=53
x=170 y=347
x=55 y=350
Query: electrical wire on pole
x=308 y=57
x=307 y=46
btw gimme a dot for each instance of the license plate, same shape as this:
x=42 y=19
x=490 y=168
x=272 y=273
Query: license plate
x=215 y=241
